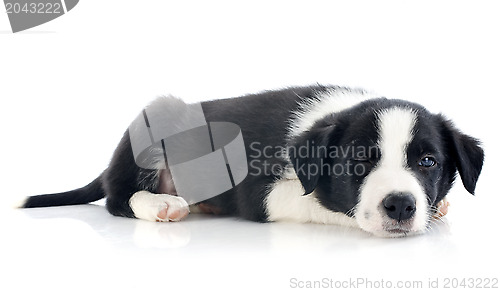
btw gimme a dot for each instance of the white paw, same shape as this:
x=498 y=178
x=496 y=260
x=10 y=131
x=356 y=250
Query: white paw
x=158 y=207
x=442 y=208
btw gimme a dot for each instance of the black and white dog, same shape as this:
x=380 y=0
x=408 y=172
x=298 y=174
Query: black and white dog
x=321 y=154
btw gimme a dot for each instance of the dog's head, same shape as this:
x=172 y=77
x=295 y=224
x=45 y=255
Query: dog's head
x=387 y=163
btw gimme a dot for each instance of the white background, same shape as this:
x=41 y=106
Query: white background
x=70 y=87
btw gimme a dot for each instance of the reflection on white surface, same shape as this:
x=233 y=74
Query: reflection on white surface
x=84 y=247
x=198 y=231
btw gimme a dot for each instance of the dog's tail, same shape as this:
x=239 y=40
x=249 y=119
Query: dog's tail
x=89 y=193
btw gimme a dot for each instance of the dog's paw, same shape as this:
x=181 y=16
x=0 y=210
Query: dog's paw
x=174 y=210
x=158 y=207
x=442 y=208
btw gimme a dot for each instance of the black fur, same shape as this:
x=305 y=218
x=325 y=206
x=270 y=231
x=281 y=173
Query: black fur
x=89 y=193
x=338 y=190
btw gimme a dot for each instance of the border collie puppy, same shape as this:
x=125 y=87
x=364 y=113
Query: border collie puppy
x=321 y=154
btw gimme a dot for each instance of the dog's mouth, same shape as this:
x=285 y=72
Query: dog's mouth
x=398 y=228
x=400 y=231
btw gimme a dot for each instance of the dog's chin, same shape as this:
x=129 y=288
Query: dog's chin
x=391 y=229
x=396 y=232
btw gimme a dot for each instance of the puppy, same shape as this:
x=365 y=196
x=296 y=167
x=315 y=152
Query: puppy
x=321 y=154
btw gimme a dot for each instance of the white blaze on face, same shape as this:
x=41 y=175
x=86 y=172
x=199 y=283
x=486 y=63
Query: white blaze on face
x=391 y=175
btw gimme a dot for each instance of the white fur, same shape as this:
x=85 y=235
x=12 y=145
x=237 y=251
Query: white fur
x=20 y=203
x=333 y=101
x=286 y=203
x=391 y=175
x=147 y=205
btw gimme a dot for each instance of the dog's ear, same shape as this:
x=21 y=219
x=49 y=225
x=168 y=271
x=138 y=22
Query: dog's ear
x=308 y=153
x=466 y=153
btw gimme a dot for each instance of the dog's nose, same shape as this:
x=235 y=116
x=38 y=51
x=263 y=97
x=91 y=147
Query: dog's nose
x=399 y=206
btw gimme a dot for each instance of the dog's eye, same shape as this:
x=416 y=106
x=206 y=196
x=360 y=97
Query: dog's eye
x=427 y=162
